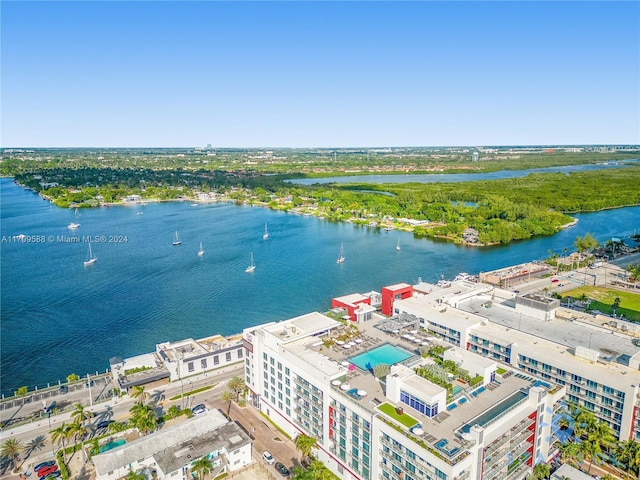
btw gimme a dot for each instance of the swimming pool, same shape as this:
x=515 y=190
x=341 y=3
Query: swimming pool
x=114 y=444
x=387 y=353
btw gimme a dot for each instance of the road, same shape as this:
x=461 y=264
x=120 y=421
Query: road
x=37 y=431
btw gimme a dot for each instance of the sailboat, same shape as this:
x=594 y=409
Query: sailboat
x=177 y=241
x=398 y=245
x=341 y=258
x=252 y=266
x=201 y=251
x=266 y=232
x=92 y=258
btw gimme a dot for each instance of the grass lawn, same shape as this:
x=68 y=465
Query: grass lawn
x=602 y=298
x=405 y=419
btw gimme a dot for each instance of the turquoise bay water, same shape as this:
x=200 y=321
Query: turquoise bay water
x=386 y=353
x=60 y=317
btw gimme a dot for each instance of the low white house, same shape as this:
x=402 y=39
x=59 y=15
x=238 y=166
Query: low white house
x=170 y=452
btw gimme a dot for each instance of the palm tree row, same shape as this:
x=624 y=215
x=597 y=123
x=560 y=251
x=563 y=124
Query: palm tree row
x=593 y=441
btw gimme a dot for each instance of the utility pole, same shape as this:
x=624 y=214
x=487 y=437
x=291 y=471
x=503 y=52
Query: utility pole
x=89 y=386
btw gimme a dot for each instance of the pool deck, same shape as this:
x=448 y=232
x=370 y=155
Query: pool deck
x=437 y=430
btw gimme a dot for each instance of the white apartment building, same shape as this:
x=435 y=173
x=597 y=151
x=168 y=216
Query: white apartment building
x=308 y=380
x=598 y=364
x=170 y=452
x=178 y=360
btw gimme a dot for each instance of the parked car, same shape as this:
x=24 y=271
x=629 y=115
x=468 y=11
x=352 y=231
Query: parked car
x=198 y=409
x=64 y=389
x=284 y=471
x=51 y=476
x=89 y=384
x=44 y=464
x=266 y=455
x=44 y=471
x=49 y=408
x=555 y=280
x=104 y=423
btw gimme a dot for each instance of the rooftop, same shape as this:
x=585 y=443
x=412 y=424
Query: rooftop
x=178 y=445
x=558 y=336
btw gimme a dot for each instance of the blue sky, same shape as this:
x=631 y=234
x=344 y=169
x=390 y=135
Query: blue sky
x=319 y=74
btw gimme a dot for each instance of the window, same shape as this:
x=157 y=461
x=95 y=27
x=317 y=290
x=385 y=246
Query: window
x=203 y=363
x=592 y=385
x=216 y=359
x=228 y=356
x=240 y=353
x=279 y=366
x=272 y=361
x=287 y=371
x=190 y=366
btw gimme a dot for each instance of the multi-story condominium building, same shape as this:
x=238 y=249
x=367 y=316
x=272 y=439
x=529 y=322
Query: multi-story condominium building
x=169 y=453
x=311 y=375
x=597 y=360
x=175 y=361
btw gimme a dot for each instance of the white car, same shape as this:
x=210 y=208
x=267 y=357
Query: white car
x=268 y=457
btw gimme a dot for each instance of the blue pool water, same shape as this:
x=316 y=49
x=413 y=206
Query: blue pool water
x=386 y=353
x=540 y=383
x=114 y=444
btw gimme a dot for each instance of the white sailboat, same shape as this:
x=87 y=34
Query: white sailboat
x=177 y=241
x=266 y=232
x=398 y=245
x=73 y=226
x=201 y=251
x=92 y=258
x=251 y=266
x=341 y=258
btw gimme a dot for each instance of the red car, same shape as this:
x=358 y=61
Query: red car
x=44 y=471
x=555 y=280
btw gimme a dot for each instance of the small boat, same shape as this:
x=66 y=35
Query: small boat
x=201 y=251
x=73 y=226
x=140 y=213
x=177 y=241
x=91 y=259
x=398 y=245
x=252 y=266
x=266 y=232
x=341 y=258
x=388 y=228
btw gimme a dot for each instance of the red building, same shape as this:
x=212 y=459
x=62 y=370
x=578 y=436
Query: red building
x=351 y=303
x=392 y=293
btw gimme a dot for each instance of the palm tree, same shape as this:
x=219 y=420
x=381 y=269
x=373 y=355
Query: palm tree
x=139 y=394
x=597 y=437
x=236 y=385
x=570 y=453
x=173 y=412
x=59 y=435
x=541 y=471
x=227 y=396
x=144 y=418
x=318 y=471
x=203 y=466
x=78 y=431
x=11 y=448
x=616 y=305
x=625 y=454
x=79 y=414
x=305 y=444
x=135 y=476
x=94 y=447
